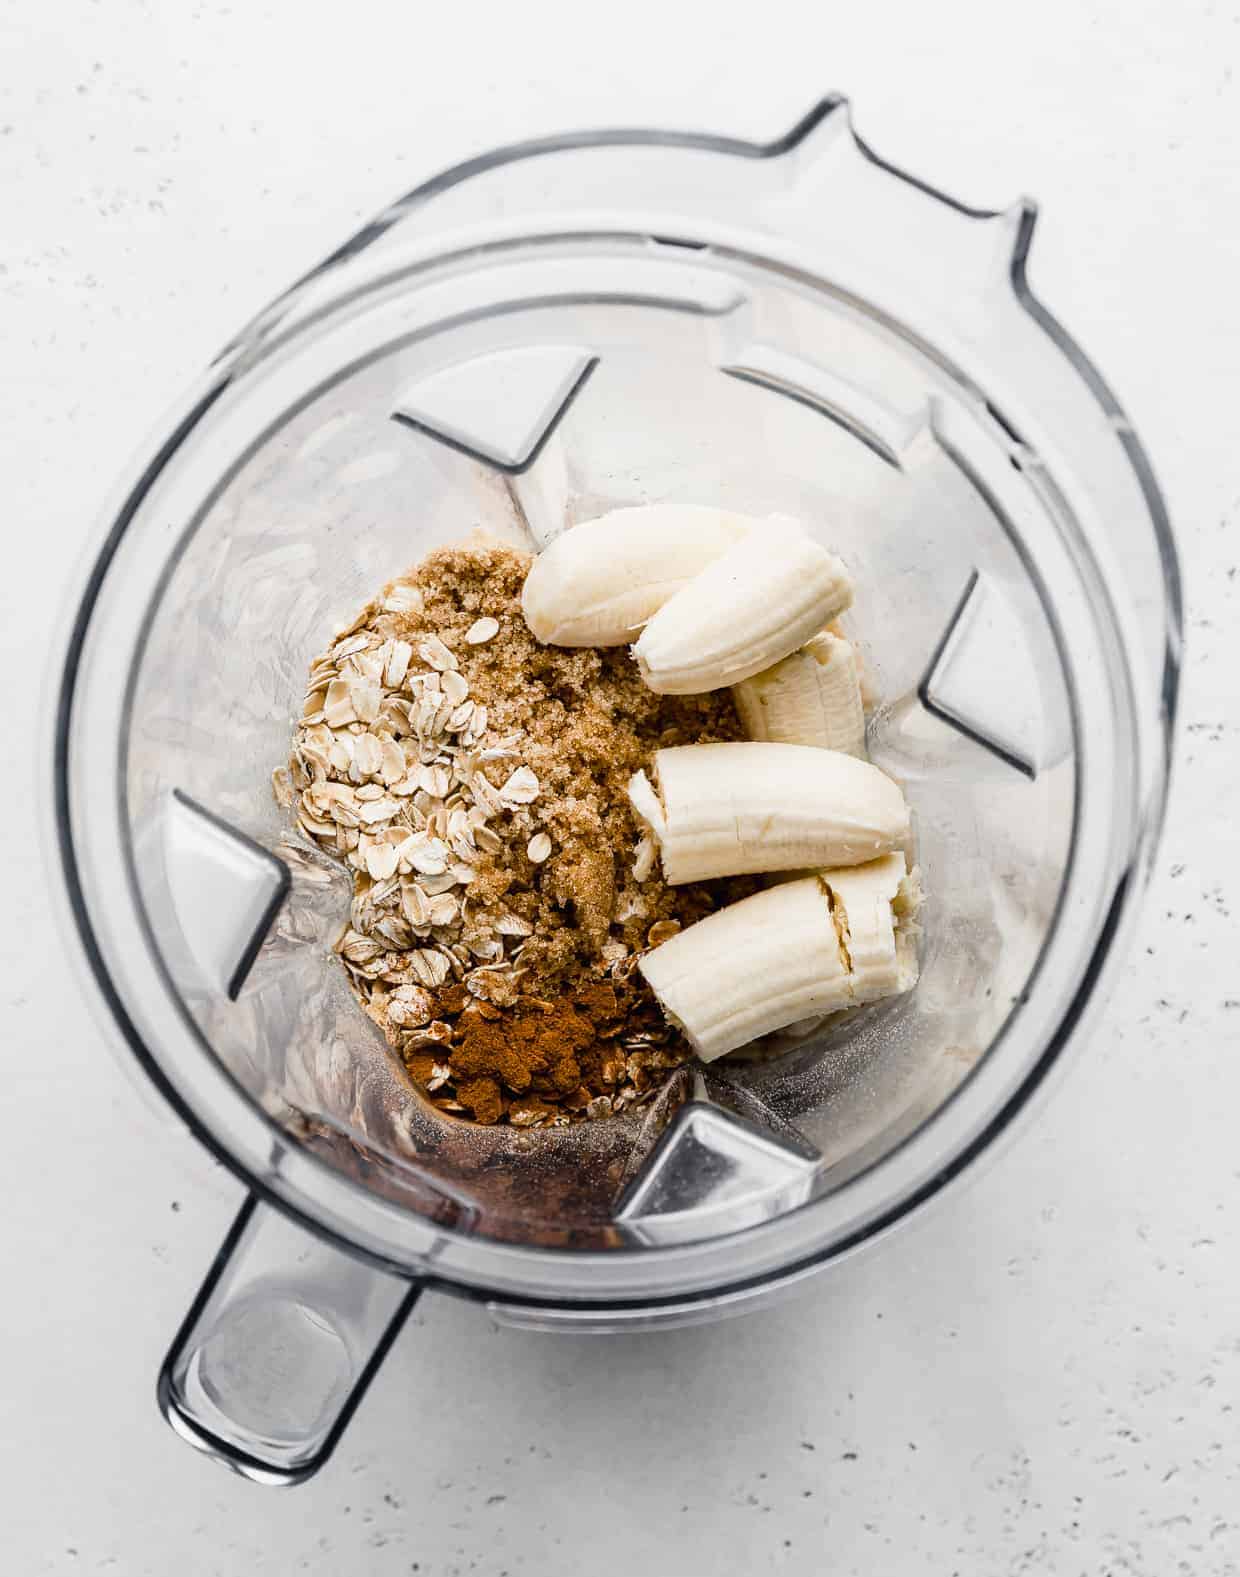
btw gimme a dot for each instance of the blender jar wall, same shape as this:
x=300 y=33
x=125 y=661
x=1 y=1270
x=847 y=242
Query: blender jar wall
x=341 y=496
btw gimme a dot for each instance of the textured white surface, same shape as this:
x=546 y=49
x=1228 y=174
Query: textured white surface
x=1039 y=1376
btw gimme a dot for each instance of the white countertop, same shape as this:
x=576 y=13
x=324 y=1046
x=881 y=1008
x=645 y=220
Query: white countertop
x=1040 y=1374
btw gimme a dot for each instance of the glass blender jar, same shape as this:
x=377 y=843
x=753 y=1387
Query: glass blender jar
x=532 y=338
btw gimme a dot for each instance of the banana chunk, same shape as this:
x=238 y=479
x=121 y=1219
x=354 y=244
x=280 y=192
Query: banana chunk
x=735 y=809
x=796 y=951
x=751 y=968
x=598 y=583
x=762 y=599
x=812 y=697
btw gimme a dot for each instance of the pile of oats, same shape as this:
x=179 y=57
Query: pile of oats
x=387 y=773
x=475 y=784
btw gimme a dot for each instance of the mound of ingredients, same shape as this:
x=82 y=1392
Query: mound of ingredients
x=561 y=850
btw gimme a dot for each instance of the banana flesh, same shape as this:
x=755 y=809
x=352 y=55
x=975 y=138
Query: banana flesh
x=598 y=583
x=812 y=697
x=735 y=809
x=767 y=595
x=875 y=907
x=800 y=950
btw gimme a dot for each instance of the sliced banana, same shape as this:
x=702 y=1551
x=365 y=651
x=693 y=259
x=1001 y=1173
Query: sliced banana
x=812 y=697
x=751 y=968
x=733 y=809
x=762 y=599
x=792 y=952
x=598 y=583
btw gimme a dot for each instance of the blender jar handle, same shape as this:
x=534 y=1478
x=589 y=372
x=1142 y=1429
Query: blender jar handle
x=278 y=1348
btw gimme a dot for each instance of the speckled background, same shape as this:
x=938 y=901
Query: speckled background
x=1038 y=1376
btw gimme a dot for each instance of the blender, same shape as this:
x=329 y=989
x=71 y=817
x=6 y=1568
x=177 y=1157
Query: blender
x=540 y=335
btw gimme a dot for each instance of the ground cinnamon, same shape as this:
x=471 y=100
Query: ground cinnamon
x=601 y=1041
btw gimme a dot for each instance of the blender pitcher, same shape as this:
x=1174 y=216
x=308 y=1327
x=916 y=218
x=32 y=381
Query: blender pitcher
x=526 y=341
